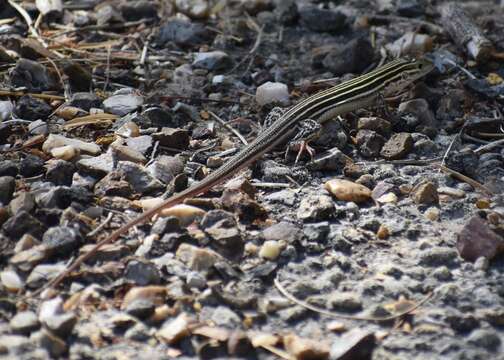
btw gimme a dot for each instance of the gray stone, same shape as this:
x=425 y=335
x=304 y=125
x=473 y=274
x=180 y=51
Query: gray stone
x=141 y=308
x=138 y=177
x=30 y=108
x=60 y=172
x=487 y=339
x=41 y=274
x=23 y=223
x=223 y=316
x=142 y=273
x=61 y=325
x=165 y=168
x=61 y=240
x=85 y=100
x=348 y=302
x=123 y=102
x=322 y=20
x=38 y=127
x=439 y=256
x=212 y=60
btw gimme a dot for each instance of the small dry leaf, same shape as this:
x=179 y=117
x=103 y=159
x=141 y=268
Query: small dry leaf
x=212 y=332
x=304 y=349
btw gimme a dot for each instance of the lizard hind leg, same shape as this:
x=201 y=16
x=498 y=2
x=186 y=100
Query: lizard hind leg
x=307 y=131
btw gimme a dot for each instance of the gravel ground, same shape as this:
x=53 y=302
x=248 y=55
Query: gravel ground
x=398 y=219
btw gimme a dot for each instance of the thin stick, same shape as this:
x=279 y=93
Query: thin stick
x=228 y=127
x=101 y=226
x=319 y=310
x=489 y=146
x=39 y=96
x=466 y=179
x=445 y=156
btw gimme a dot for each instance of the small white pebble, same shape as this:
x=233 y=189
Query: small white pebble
x=272 y=92
x=11 y=281
x=67 y=152
x=270 y=250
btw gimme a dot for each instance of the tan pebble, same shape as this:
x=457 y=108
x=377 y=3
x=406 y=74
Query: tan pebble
x=482 y=203
x=336 y=326
x=156 y=294
x=383 y=232
x=185 y=213
x=69 y=112
x=405 y=189
x=67 y=152
x=493 y=218
x=214 y=162
x=251 y=249
x=128 y=130
x=345 y=190
x=175 y=330
x=270 y=250
x=432 y=214
x=304 y=349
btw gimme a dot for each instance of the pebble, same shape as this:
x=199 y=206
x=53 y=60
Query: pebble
x=425 y=193
x=456 y=193
x=272 y=92
x=305 y=349
x=172 y=138
x=316 y=208
x=55 y=141
x=432 y=214
x=185 y=213
x=196 y=258
x=141 y=308
x=38 y=127
x=31 y=166
x=30 y=108
x=477 y=239
x=270 y=250
x=139 y=178
x=182 y=33
x=60 y=172
x=369 y=142
x=6 y=109
x=196 y=280
x=223 y=316
x=61 y=240
x=397 y=147
x=174 y=330
x=61 y=325
x=24 y=322
x=85 y=100
x=347 y=301
x=322 y=20
x=381 y=126
x=486 y=339
x=41 y=274
x=97 y=166
x=123 y=102
x=7 y=188
x=195 y=9
x=11 y=281
x=67 y=152
x=353 y=57
x=212 y=60
x=166 y=168
x=439 y=256
x=142 y=273
x=126 y=153
x=345 y=190
x=52 y=343
x=23 y=223
x=154 y=294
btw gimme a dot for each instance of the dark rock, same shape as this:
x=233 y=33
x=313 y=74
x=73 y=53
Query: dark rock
x=285 y=231
x=477 y=239
x=322 y=20
x=286 y=11
x=369 y=143
x=482 y=87
x=397 y=147
x=8 y=168
x=332 y=160
x=382 y=188
x=7 y=188
x=353 y=57
x=142 y=273
x=139 y=179
x=420 y=109
x=31 y=165
x=61 y=240
x=155 y=116
x=182 y=33
x=465 y=162
x=316 y=232
x=85 y=101
x=381 y=126
x=354 y=344
x=439 y=256
x=451 y=105
x=31 y=75
x=137 y=10
x=164 y=225
x=24 y=323
x=23 y=223
x=114 y=185
x=54 y=345
x=462 y=323
x=30 y=108
x=486 y=339
x=62 y=197
x=411 y=8
x=23 y=201
x=173 y=138
x=79 y=76
x=141 y=308
x=347 y=302
x=222 y=228
x=332 y=134
x=60 y=172
x=212 y=60
x=165 y=168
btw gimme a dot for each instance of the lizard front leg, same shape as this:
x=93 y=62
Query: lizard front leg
x=308 y=130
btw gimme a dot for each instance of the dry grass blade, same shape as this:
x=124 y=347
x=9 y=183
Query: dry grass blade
x=38 y=96
x=322 y=311
x=89 y=120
